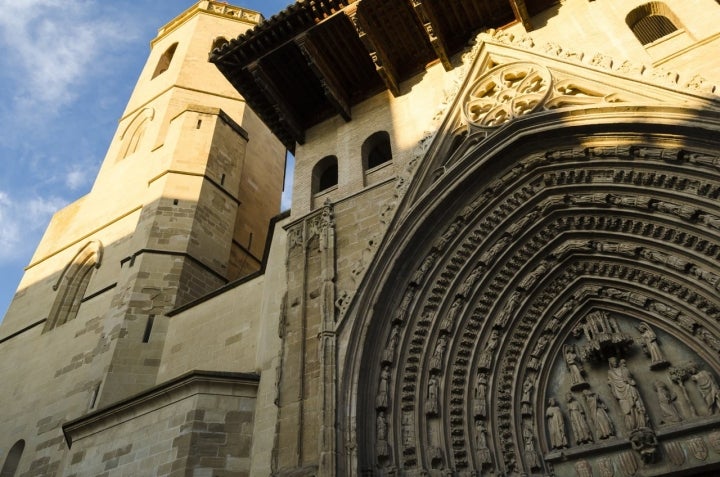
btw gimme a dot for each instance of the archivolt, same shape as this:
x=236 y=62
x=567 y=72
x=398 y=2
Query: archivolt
x=615 y=220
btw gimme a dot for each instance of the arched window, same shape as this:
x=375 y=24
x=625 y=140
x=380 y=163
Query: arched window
x=652 y=21
x=134 y=132
x=376 y=150
x=12 y=461
x=325 y=174
x=165 y=59
x=72 y=284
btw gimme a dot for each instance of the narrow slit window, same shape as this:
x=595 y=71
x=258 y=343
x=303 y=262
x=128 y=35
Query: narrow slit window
x=148 y=328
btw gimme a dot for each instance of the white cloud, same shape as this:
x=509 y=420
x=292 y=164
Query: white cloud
x=51 y=46
x=76 y=178
x=22 y=223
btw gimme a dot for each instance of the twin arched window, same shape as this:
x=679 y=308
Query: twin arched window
x=652 y=21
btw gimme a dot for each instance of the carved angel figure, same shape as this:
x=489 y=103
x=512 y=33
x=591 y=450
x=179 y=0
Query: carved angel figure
x=650 y=346
x=574 y=367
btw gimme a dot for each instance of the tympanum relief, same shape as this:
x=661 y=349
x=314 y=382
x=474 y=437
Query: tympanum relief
x=627 y=387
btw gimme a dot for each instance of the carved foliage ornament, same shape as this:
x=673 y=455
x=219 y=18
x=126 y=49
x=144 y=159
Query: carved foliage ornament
x=517 y=89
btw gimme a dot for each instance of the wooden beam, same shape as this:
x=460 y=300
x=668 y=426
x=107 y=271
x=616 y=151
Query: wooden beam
x=521 y=13
x=427 y=17
x=325 y=74
x=285 y=114
x=383 y=65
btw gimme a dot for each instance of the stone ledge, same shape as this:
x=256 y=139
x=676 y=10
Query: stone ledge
x=174 y=390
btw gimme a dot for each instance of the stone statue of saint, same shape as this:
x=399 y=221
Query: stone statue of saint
x=666 y=402
x=383 y=395
x=598 y=414
x=480 y=400
x=388 y=355
x=578 y=423
x=623 y=389
x=486 y=357
x=437 y=358
x=381 y=445
x=431 y=401
x=481 y=443
x=531 y=455
x=555 y=425
x=526 y=397
x=708 y=387
x=651 y=347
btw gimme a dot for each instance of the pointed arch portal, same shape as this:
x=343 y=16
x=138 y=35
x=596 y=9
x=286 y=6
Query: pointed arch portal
x=549 y=305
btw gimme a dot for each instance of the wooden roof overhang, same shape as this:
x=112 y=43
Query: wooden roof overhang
x=318 y=58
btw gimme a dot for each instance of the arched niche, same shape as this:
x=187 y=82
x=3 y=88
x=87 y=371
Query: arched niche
x=12 y=461
x=486 y=278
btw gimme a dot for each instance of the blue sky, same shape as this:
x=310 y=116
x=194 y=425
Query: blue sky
x=67 y=68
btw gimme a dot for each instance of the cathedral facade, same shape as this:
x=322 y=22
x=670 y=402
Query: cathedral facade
x=501 y=258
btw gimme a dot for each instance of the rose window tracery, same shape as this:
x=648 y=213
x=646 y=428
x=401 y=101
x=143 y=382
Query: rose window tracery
x=506 y=92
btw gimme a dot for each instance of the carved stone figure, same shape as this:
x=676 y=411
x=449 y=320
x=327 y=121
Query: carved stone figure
x=436 y=361
x=588 y=199
x=664 y=310
x=620 y=248
x=555 y=425
x=469 y=283
x=708 y=338
x=623 y=389
x=644 y=442
x=449 y=234
x=534 y=276
x=526 y=398
x=669 y=260
x=388 y=355
x=709 y=220
x=447 y=323
x=508 y=310
x=680 y=210
x=401 y=312
x=599 y=416
x=489 y=255
x=708 y=387
x=571 y=246
x=480 y=400
x=679 y=375
x=521 y=224
x=381 y=445
x=666 y=402
x=484 y=457
x=419 y=275
x=702 y=159
x=382 y=400
x=486 y=357
x=705 y=276
x=531 y=455
x=431 y=402
x=578 y=423
x=651 y=347
x=575 y=368
x=638 y=201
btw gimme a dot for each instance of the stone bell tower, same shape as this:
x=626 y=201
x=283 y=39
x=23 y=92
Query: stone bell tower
x=180 y=208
